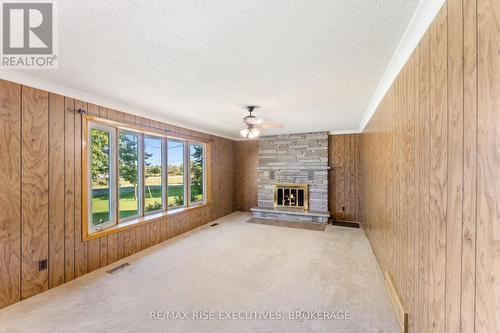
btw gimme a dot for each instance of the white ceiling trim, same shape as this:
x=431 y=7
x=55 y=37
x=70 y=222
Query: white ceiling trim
x=55 y=88
x=420 y=22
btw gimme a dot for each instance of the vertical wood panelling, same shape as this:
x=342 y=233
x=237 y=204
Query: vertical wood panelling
x=34 y=190
x=409 y=195
x=424 y=188
x=343 y=177
x=246 y=189
x=439 y=167
x=41 y=201
x=69 y=189
x=10 y=193
x=442 y=248
x=80 y=246
x=416 y=317
x=470 y=157
x=56 y=190
x=455 y=165
x=487 y=314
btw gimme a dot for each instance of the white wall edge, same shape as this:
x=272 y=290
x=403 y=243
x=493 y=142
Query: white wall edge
x=55 y=88
x=420 y=22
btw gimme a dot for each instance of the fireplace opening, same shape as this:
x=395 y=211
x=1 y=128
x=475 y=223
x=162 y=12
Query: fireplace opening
x=291 y=196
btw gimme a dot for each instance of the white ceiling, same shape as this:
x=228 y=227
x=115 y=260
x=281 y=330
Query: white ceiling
x=310 y=65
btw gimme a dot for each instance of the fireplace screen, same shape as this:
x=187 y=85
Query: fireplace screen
x=291 y=195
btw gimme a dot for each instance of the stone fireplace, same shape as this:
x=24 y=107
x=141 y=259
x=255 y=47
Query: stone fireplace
x=292 y=177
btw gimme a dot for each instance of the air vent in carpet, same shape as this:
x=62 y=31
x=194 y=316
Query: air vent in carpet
x=345 y=224
x=118 y=268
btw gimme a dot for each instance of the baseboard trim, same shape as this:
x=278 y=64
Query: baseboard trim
x=400 y=310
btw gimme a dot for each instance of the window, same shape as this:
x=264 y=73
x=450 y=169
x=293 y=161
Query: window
x=154 y=191
x=196 y=173
x=176 y=173
x=131 y=173
x=128 y=182
x=101 y=185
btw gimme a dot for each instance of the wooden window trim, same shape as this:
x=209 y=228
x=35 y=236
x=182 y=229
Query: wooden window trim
x=146 y=218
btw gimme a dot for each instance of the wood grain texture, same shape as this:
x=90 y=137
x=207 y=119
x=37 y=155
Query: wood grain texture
x=45 y=158
x=424 y=187
x=438 y=167
x=247 y=161
x=56 y=190
x=343 y=177
x=10 y=193
x=487 y=316
x=455 y=165
x=468 y=291
x=34 y=190
x=443 y=152
x=81 y=258
x=69 y=189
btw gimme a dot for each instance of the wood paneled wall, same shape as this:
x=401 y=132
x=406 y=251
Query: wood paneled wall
x=246 y=174
x=343 y=178
x=40 y=196
x=430 y=174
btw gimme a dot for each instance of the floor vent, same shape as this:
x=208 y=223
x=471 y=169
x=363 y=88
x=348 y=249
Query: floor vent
x=118 y=268
x=214 y=224
x=345 y=224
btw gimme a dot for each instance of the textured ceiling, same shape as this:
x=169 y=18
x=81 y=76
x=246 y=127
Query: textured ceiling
x=311 y=65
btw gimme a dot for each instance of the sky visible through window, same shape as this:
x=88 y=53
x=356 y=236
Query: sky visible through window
x=175 y=156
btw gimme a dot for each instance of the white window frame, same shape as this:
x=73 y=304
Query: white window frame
x=185 y=183
x=204 y=184
x=112 y=177
x=164 y=168
x=140 y=171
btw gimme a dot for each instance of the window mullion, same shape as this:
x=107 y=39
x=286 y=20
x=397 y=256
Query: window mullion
x=115 y=176
x=164 y=173
x=142 y=181
x=187 y=194
x=204 y=173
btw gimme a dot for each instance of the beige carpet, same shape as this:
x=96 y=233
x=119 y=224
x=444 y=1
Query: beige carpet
x=240 y=273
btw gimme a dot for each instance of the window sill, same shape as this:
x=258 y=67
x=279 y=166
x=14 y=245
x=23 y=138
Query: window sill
x=135 y=222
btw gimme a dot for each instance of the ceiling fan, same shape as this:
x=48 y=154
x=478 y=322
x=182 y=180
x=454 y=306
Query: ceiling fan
x=253 y=125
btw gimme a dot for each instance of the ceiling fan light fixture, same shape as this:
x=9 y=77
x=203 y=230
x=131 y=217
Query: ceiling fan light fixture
x=253 y=133
x=250 y=132
x=244 y=132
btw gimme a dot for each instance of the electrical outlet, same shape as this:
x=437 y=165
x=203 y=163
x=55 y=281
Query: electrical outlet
x=42 y=264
